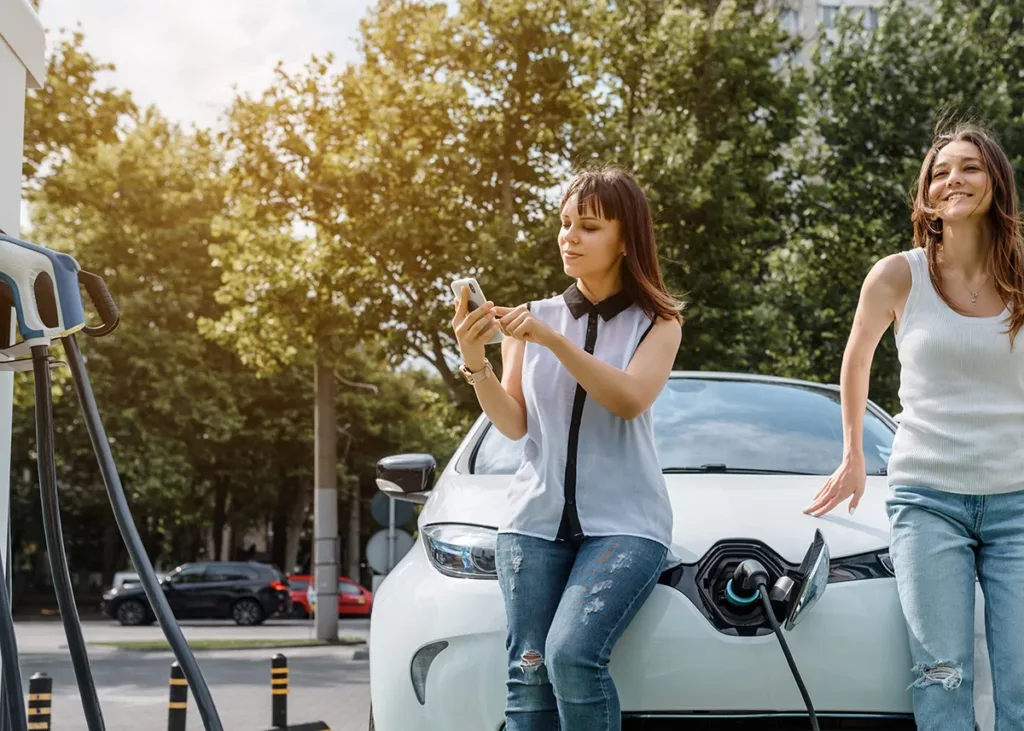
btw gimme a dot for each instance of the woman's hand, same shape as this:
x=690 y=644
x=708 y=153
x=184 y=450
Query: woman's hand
x=521 y=324
x=848 y=480
x=473 y=330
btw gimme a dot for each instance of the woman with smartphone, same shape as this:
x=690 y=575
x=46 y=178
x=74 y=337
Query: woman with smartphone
x=956 y=473
x=589 y=523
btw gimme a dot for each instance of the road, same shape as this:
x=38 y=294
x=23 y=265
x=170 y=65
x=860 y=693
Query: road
x=327 y=684
x=48 y=636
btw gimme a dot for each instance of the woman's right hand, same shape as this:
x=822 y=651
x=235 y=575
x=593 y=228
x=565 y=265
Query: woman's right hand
x=848 y=480
x=473 y=330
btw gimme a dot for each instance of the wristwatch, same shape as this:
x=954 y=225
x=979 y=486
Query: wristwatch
x=474 y=377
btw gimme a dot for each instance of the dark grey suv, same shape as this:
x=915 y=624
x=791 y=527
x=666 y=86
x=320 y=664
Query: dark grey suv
x=248 y=593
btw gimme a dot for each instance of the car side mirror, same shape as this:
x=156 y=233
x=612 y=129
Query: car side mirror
x=408 y=477
x=802 y=590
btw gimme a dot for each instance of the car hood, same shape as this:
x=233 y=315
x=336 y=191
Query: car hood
x=708 y=509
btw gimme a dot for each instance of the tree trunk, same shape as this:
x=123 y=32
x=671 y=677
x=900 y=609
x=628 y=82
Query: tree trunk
x=354 y=539
x=220 y=504
x=111 y=551
x=296 y=522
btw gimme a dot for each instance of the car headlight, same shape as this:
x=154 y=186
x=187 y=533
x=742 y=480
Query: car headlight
x=874 y=565
x=462 y=551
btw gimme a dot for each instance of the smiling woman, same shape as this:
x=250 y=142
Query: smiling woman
x=957 y=469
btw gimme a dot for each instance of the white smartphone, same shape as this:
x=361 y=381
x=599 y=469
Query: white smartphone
x=476 y=299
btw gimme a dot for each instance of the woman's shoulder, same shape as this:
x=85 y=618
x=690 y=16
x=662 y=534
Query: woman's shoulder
x=893 y=272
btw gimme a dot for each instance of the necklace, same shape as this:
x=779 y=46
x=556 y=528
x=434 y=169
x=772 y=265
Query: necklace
x=974 y=295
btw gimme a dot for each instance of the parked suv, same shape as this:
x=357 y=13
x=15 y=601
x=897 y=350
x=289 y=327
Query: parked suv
x=248 y=593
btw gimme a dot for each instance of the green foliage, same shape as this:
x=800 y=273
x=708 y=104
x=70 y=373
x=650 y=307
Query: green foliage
x=325 y=223
x=71 y=112
x=874 y=102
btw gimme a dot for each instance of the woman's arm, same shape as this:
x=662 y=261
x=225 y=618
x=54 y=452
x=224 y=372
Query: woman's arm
x=631 y=392
x=884 y=288
x=503 y=402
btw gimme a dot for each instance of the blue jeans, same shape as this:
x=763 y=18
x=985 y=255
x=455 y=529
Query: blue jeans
x=939 y=542
x=566 y=609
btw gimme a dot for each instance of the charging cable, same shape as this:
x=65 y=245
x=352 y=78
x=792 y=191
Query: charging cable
x=750 y=581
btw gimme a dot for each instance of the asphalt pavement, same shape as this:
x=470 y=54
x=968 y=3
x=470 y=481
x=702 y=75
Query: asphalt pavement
x=48 y=635
x=329 y=684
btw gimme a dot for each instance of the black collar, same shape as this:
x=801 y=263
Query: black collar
x=607 y=308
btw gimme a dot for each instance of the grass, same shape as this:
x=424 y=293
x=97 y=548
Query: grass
x=251 y=644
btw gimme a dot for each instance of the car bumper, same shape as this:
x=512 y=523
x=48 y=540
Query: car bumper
x=851 y=649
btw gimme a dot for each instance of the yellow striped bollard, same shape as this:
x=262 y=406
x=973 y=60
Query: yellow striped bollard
x=177 y=706
x=279 y=691
x=40 y=698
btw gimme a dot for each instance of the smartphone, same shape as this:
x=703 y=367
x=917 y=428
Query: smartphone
x=476 y=299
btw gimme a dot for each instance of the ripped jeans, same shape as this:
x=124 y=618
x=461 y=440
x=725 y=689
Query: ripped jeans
x=566 y=609
x=939 y=541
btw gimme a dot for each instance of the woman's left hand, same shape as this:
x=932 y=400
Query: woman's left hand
x=521 y=324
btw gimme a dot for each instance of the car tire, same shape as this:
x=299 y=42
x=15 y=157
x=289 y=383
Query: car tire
x=131 y=613
x=247 y=613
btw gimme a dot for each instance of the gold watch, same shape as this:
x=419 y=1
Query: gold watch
x=474 y=377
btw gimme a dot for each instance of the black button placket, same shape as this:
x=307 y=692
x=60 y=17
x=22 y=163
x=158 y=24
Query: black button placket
x=571 y=528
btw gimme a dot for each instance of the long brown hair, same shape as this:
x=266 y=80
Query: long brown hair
x=613 y=194
x=1004 y=217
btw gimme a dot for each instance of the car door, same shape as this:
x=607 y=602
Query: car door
x=227 y=582
x=350 y=598
x=185 y=591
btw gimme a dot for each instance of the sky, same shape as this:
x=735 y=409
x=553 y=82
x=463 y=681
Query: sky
x=187 y=56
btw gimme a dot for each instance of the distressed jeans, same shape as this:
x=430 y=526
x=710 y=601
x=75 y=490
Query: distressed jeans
x=940 y=541
x=566 y=608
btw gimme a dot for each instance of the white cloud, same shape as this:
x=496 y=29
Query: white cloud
x=186 y=56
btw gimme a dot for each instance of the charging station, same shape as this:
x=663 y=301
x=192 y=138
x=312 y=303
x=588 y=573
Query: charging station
x=22 y=67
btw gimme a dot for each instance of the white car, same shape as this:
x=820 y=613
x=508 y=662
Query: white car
x=743 y=455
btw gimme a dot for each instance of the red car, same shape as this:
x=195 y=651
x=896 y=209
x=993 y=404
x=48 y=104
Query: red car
x=353 y=599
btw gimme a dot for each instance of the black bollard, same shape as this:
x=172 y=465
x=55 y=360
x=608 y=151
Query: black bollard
x=279 y=691
x=177 y=706
x=40 y=698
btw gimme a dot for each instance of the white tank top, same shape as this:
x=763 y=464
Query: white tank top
x=585 y=471
x=961 y=428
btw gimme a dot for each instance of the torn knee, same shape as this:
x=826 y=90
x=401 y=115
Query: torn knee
x=531 y=660
x=946 y=674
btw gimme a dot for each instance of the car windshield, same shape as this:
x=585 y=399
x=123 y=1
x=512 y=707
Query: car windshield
x=719 y=425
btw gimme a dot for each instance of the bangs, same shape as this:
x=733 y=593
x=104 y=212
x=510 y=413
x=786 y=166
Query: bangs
x=597 y=195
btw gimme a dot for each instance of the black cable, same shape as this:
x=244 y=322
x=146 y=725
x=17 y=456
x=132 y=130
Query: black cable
x=55 y=539
x=14 y=697
x=763 y=592
x=123 y=516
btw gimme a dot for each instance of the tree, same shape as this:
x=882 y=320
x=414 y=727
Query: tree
x=72 y=112
x=697 y=100
x=139 y=211
x=876 y=98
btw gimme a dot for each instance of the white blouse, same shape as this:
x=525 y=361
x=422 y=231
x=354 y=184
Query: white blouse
x=585 y=471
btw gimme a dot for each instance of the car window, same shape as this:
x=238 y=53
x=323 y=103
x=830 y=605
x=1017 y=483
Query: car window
x=345 y=587
x=189 y=575
x=298 y=584
x=229 y=573
x=746 y=425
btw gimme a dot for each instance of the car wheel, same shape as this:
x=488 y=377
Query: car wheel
x=247 y=612
x=131 y=613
